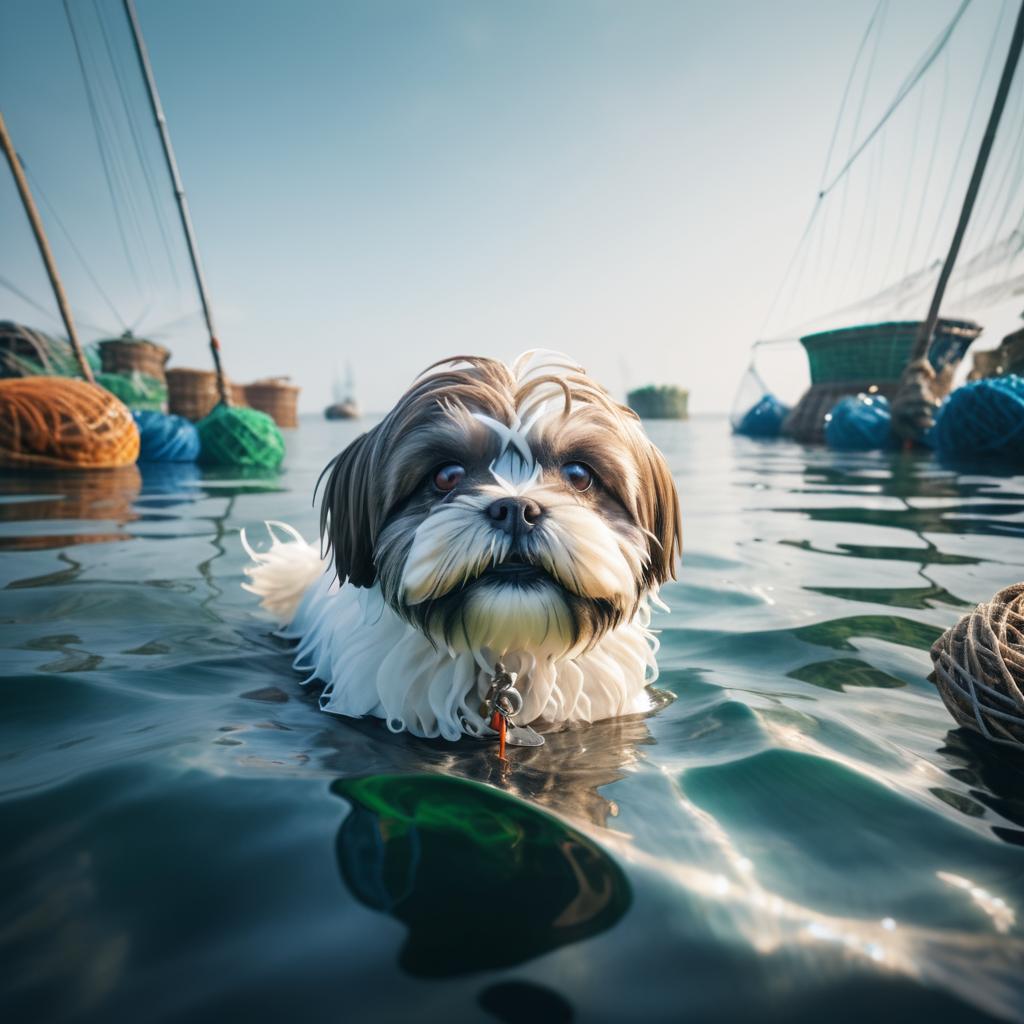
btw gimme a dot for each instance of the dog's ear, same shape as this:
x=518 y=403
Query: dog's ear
x=348 y=513
x=659 y=514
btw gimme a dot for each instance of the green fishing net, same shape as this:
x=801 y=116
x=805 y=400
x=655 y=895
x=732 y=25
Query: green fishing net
x=137 y=390
x=240 y=437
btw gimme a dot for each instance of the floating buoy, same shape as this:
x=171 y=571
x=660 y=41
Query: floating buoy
x=859 y=423
x=984 y=417
x=979 y=668
x=763 y=419
x=233 y=436
x=63 y=423
x=166 y=438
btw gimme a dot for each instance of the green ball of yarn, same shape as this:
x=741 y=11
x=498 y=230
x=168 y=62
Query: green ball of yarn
x=232 y=436
x=136 y=390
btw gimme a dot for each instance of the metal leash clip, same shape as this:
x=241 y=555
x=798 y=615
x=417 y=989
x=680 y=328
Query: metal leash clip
x=502 y=703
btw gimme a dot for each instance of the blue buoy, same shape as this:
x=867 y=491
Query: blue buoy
x=859 y=423
x=164 y=438
x=983 y=418
x=764 y=419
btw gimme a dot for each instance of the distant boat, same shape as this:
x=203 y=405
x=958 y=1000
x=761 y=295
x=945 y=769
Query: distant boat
x=660 y=403
x=344 y=406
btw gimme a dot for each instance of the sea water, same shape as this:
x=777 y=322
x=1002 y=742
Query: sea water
x=798 y=832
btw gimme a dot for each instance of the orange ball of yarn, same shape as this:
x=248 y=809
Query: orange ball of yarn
x=63 y=423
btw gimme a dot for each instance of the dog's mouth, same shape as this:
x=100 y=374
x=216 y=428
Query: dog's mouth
x=514 y=569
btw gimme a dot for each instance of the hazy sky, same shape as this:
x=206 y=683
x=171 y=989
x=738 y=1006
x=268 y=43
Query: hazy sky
x=388 y=183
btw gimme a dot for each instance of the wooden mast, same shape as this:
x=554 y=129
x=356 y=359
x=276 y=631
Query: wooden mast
x=924 y=339
x=44 y=249
x=179 y=193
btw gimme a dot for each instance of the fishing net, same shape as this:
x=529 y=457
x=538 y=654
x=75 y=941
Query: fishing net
x=240 y=437
x=25 y=352
x=164 y=438
x=137 y=390
x=61 y=423
x=979 y=668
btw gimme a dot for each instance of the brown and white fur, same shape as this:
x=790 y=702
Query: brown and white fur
x=426 y=586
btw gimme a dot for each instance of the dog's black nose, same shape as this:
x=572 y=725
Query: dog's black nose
x=514 y=515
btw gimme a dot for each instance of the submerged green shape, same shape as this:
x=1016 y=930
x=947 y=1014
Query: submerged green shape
x=836 y=633
x=839 y=673
x=896 y=597
x=481 y=879
x=237 y=436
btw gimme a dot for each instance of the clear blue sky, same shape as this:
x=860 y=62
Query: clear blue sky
x=391 y=182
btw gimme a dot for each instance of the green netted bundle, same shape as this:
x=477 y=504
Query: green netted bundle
x=136 y=390
x=240 y=437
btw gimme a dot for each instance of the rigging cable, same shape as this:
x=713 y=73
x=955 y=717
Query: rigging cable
x=94 y=115
x=882 y=9
x=898 y=231
x=114 y=134
x=902 y=93
x=40 y=308
x=824 y=171
x=38 y=189
x=146 y=166
x=931 y=167
x=986 y=64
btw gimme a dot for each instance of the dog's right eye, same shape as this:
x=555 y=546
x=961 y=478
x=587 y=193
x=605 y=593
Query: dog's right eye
x=447 y=478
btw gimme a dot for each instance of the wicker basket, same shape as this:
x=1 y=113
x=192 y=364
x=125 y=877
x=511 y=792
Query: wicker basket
x=276 y=397
x=869 y=357
x=193 y=393
x=128 y=355
x=877 y=353
x=987 y=364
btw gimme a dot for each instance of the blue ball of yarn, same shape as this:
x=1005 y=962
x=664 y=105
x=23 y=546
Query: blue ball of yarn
x=984 y=417
x=164 y=438
x=858 y=423
x=764 y=419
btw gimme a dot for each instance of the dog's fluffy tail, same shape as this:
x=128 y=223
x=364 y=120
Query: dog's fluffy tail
x=280 y=576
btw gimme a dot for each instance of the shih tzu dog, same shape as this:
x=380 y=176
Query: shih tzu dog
x=511 y=519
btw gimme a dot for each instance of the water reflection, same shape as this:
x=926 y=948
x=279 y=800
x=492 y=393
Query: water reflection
x=480 y=879
x=32 y=505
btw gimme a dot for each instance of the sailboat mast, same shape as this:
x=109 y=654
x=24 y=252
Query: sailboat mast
x=924 y=339
x=179 y=193
x=44 y=249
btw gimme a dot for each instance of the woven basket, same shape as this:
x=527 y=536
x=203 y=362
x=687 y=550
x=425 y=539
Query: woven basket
x=128 y=355
x=987 y=364
x=277 y=398
x=1012 y=353
x=806 y=420
x=877 y=353
x=193 y=393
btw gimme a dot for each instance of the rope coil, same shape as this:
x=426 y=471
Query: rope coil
x=979 y=668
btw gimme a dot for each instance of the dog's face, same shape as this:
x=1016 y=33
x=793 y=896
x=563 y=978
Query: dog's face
x=505 y=509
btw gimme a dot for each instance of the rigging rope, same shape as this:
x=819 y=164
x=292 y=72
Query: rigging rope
x=38 y=189
x=904 y=90
x=931 y=166
x=97 y=131
x=40 y=308
x=985 y=67
x=144 y=164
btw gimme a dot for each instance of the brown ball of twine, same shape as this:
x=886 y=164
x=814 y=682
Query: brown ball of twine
x=63 y=423
x=979 y=668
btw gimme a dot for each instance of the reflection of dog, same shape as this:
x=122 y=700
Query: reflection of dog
x=514 y=514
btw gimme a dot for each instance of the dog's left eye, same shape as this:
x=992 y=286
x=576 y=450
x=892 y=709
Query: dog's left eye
x=579 y=476
x=447 y=478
